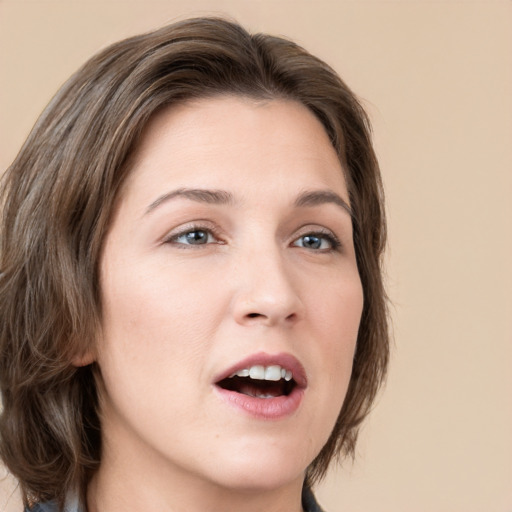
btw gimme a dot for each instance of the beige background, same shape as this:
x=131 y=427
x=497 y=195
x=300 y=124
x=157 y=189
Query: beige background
x=436 y=77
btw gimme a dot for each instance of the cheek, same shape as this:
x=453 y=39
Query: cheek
x=153 y=343
x=337 y=318
x=158 y=322
x=337 y=311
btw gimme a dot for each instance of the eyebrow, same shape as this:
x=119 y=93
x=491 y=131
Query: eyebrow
x=195 y=194
x=220 y=197
x=318 y=197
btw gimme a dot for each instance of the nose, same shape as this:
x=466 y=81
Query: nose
x=266 y=292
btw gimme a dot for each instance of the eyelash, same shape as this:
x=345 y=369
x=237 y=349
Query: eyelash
x=332 y=240
x=173 y=238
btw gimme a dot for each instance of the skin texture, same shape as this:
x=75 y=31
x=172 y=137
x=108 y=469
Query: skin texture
x=176 y=315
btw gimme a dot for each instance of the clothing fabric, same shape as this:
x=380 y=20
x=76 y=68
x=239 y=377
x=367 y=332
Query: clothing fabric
x=309 y=504
x=71 y=505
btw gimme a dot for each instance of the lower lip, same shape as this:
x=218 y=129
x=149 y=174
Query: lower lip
x=264 y=408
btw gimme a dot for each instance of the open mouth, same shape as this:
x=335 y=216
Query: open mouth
x=260 y=382
x=265 y=386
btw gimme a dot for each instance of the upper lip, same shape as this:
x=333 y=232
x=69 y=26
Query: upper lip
x=284 y=360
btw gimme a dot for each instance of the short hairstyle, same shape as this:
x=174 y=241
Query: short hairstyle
x=57 y=199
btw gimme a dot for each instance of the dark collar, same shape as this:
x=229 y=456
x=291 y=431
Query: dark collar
x=309 y=503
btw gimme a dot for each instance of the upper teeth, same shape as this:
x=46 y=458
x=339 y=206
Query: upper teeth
x=274 y=372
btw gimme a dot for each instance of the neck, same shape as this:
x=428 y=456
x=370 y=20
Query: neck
x=138 y=480
x=116 y=492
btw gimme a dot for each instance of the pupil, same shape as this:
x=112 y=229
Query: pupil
x=197 y=237
x=312 y=242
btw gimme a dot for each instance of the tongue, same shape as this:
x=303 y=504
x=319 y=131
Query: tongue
x=260 y=389
x=256 y=388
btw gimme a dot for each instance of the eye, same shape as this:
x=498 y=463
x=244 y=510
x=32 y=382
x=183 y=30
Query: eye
x=323 y=242
x=193 y=236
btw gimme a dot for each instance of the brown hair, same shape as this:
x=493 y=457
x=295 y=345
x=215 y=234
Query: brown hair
x=57 y=198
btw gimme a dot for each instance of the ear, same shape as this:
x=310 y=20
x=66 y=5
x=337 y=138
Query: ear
x=84 y=359
x=84 y=355
x=83 y=350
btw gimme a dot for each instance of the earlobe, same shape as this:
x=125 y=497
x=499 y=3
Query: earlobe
x=83 y=352
x=83 y=359
x=84 y=356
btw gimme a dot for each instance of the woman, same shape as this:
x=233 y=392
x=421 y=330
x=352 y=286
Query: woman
x=193 y=315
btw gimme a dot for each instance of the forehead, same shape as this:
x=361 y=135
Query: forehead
x=215 y=141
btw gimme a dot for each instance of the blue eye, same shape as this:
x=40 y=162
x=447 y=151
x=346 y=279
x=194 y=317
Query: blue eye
x=194 y=236
x=317 y=242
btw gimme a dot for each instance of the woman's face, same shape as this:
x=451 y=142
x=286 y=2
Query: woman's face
x=230 y=252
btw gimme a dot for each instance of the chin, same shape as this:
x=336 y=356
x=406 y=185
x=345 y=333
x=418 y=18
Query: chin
x=261 y=481
x=263 y=472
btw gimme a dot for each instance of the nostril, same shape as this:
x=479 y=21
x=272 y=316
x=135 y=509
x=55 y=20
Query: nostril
x=254 y=315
